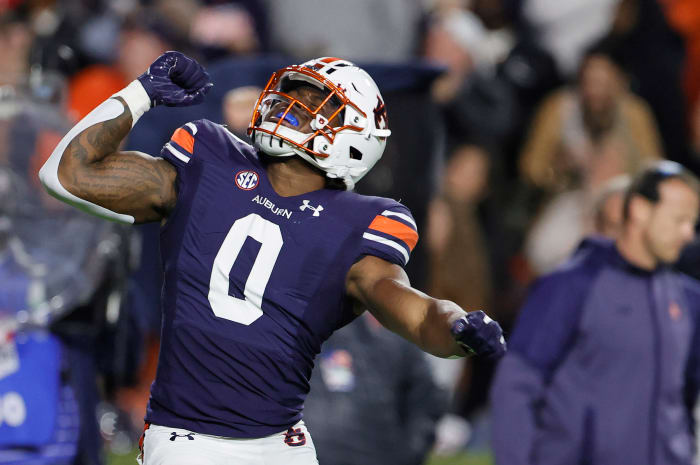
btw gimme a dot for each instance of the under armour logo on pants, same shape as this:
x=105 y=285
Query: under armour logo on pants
x=174 y=436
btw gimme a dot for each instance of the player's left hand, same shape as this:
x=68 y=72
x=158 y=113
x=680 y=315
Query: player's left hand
x=479 y=335
x=175 y=80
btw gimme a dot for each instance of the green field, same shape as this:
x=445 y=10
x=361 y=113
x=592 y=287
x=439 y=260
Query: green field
x=462 y=459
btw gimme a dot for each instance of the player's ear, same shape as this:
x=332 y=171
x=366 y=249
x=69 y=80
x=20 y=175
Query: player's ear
x=640 y=210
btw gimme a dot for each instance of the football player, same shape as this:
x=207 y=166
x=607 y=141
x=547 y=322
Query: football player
x=266 y=251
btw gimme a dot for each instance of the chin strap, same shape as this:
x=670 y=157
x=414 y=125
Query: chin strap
x=347 y=174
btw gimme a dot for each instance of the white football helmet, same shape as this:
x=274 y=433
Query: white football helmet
x=344 y=135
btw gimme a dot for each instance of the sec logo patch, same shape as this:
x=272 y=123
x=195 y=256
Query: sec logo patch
x=247 y=180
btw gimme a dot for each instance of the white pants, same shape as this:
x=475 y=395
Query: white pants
x=163 y=445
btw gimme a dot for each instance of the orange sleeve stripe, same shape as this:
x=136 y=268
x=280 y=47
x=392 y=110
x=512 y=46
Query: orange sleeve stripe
x=396 y=229
x=184 y=139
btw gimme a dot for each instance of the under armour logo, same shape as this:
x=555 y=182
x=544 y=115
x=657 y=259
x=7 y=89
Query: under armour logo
x=174 y=436
x=317 y=210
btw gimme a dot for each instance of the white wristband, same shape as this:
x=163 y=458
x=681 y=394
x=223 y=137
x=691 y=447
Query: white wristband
x=136 y=99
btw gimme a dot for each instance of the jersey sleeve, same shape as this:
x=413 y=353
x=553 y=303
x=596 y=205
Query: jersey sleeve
x=207 y=142
x=391 y=235
x=179 y=150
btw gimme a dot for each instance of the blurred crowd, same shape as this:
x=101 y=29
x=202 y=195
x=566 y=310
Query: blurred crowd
x=538 y=112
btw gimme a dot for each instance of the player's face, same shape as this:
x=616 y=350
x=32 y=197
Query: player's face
x=672 y=220
x=297 y=117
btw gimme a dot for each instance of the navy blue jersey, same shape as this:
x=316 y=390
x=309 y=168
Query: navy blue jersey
x=254 y=283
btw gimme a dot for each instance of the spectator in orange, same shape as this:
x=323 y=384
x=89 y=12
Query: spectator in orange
x=684 y=16
x=694 y=142
x=90 y=87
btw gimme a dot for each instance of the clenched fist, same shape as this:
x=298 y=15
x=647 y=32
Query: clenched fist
x=479 y=335
x=175 y=80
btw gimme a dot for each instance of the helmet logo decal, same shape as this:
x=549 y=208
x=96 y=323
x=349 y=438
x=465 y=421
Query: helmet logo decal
x=316 y=66
x=319 y=123
x=381 y=120
x=247 y=180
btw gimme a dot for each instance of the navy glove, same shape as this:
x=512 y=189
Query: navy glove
x=175 y=80
x=480 y=335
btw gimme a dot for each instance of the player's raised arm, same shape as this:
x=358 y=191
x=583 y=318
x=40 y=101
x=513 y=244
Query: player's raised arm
x=87 y=170
x=439 y=327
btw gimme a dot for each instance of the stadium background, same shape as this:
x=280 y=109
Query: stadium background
x=504 y=135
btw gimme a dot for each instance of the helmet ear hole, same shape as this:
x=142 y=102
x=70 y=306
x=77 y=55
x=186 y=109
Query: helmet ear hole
x=355 y=154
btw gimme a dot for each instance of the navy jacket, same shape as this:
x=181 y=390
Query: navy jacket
x=601 y=366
